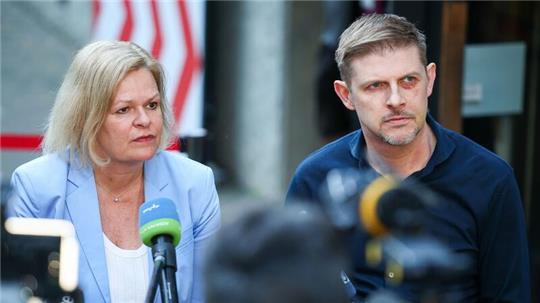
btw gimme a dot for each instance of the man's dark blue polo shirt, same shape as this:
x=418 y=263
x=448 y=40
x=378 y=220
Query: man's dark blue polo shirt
x=481 y=216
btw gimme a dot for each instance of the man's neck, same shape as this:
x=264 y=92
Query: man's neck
x=402 y=160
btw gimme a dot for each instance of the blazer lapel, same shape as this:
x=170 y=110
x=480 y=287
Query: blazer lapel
x=83 y=207
x=156 y=178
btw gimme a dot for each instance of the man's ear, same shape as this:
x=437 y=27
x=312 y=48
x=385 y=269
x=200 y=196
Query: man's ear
x=431 y=71
x=343 y=92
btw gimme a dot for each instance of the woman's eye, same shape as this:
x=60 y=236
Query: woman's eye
x=123 y=110
x=153 y=105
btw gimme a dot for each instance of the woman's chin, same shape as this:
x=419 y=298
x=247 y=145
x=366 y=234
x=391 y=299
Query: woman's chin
x=139 y=156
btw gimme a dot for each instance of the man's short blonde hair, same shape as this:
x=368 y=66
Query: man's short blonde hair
x=375 y=33
x=86 y=95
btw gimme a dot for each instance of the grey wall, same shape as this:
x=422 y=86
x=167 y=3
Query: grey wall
x=306 y=22
x=38 y=40
x=263 y=58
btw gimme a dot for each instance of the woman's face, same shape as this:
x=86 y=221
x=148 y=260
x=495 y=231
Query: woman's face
x=131 y=132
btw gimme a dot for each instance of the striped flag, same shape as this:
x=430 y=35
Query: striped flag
x=173 y=32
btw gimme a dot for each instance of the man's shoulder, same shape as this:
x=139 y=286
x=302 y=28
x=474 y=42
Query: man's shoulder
x=336 y=154
x=474 y=155
x=312 y=171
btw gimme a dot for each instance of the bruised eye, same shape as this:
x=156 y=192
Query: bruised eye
x=409 y=81
x=153 y=105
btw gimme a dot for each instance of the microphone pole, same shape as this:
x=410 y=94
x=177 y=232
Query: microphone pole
x=163 y=249
x=159 y=262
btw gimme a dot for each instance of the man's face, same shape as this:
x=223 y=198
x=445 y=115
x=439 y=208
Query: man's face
x=389 y=91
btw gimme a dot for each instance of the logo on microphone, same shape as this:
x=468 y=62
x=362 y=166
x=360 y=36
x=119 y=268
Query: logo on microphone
x=153 y=206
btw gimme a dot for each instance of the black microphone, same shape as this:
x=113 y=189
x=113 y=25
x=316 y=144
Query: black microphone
x=388 y=205
x=339 y=195
x=379 y=203
x=396 y=214
x=160 y=229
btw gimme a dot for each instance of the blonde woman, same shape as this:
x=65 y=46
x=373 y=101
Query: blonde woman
x=103 y=157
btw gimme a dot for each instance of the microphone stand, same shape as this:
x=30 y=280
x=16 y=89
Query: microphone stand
x=164 y=272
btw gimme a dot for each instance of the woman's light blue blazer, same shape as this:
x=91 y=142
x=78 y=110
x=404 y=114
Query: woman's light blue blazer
x=51 y=187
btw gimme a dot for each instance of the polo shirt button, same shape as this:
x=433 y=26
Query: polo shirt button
x=394 y=273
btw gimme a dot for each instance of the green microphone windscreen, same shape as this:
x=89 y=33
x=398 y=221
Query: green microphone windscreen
x=159 y=217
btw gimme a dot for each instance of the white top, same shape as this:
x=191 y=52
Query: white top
x=128 y=272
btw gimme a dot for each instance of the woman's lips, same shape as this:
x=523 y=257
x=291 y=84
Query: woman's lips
x=143 y=139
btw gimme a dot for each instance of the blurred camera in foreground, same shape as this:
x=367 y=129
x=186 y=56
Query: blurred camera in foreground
x=277 y=255
x=395 y=215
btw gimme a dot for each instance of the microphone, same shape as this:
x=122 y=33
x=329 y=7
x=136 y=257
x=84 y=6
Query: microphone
x=389 y=205
x=160 y=229
x=400 y=209
x=339 y=195
x=396 y=214
x=379 y=203
x=158 y=219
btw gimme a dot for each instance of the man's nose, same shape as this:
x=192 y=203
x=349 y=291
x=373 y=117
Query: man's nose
x=395 y=99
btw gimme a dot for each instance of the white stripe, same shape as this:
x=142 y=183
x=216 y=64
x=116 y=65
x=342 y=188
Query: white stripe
x=110 y=20
x=197 y=17
x=143 y=26
x=173 y=52
x=192 y=116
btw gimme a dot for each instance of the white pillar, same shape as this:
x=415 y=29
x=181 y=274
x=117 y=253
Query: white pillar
x=261 y=92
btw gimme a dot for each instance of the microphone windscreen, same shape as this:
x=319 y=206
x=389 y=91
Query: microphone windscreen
x=369 y=204
x=401 y=208
x=159 y=217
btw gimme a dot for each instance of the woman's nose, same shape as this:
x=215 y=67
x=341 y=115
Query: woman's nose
x=142 y=119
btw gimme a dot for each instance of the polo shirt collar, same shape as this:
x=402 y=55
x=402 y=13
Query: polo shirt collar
x=355 y=145
x=443 y=149
x=356 y=148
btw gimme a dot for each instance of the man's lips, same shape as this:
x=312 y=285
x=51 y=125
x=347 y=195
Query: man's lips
x=398 y=120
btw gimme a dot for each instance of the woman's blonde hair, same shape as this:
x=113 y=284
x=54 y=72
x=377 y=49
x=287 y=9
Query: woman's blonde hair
x=86 y=94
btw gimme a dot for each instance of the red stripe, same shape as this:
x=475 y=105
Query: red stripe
x=20 y=142
x=189 y=66
x=128 y=23
x=96 y=10
x=33 y=142
x=156 y=45
x=175 y=145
